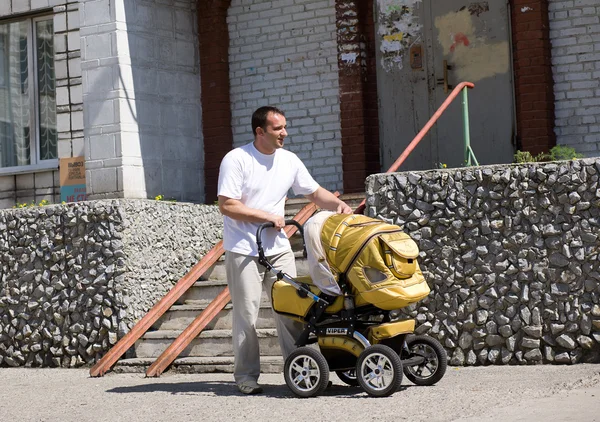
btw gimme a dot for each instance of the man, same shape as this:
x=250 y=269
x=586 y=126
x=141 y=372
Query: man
x=253 y=183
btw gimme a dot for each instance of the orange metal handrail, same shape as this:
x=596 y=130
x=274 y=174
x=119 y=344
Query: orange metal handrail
x=140 y=328
x=195 y=328
x=455 y=92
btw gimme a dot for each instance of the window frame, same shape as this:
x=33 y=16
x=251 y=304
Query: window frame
x=3 y=82
x=36 y=164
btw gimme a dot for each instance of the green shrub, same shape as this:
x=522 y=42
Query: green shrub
x=524 y=157
x=557 y=153
x=563 y=152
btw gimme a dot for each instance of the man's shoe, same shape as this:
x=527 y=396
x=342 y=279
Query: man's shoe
x=250 y=387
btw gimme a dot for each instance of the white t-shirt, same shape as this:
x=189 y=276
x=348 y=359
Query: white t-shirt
x=262 y=182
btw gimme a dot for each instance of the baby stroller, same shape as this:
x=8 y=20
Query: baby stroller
x=358 y=333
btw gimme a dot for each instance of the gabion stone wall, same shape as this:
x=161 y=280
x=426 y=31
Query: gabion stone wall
x=74 y=278
x=511 y=253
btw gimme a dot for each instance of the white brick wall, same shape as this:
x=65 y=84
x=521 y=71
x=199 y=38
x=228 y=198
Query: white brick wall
x=284 y=53
x=575 y=36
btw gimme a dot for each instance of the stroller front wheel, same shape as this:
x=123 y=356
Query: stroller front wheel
x=379 y=370
x=306 y=372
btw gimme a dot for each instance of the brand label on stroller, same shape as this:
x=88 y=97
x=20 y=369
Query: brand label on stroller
x=337 y=331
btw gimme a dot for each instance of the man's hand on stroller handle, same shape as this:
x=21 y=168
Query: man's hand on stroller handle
x=343 y=208
x=277 y=221
x=261 y=255
x=272 y=224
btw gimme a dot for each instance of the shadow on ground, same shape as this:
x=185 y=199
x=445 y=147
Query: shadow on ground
x=230 y=389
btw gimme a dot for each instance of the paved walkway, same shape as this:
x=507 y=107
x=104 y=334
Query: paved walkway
x=499 y=393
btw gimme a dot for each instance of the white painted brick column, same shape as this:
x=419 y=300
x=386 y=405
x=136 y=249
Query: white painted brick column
x=141 y=89
x=575 y=36
x=105 y=55
x=69 y=98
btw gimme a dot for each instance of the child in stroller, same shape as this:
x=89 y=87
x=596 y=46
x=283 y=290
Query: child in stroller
x=358 y=331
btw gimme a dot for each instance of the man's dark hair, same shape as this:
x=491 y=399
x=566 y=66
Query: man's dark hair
x=259 y=117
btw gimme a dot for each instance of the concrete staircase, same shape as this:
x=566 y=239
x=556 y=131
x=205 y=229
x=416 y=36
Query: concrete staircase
x=212 y=350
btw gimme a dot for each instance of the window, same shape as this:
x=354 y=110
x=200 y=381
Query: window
x=27 y=95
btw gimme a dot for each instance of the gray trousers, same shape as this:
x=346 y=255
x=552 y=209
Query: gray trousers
x=245 y=278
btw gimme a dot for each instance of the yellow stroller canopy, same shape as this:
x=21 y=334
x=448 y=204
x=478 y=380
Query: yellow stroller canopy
x=379 y=259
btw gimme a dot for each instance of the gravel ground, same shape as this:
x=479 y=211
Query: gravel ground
x=510 y=393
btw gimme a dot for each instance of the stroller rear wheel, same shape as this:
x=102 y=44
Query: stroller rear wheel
x=379 y=370
x=433 y=360
x=348 y=377
x=306 y=372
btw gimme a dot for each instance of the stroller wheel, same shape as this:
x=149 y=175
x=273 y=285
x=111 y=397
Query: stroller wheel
x=348 y=377
x=434 y=360
x=306 y=372
x=379 y=370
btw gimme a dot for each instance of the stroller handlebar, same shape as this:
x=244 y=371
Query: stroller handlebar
x=269 y=224
x=261 y=253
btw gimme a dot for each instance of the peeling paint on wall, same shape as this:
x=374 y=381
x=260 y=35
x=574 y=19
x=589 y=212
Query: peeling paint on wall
x=472 y=56
x=459 y=38
x=479 y=8
x=349 y=58
x=348 y=39
x=398 y=28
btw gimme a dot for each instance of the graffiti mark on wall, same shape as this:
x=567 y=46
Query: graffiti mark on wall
x=470 y=52
x=349 y=58
x=479 y=8
x=396 y=37
x=349 y=48
x=398 y=28
x=459 y=38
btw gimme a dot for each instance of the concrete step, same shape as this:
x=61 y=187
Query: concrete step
x=292 y=206
x=208 y=343
x=353 y=199
x=179 y=317
x=217 y=272
x=209 y=289
x=206 y=291
x=198 y=365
